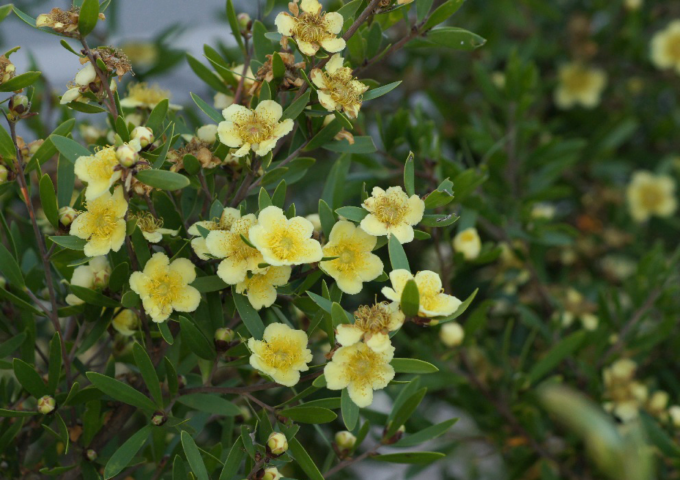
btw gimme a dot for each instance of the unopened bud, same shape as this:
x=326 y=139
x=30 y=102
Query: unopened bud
x=277 y=443
x=19 y=105
x=143 y=134
x=3 y=173
x=224 y=335
x=451 y=334
x=243 y=20
x=67 y=215
x=674 y=412
x=271 y=473
x=127 y=156
x=46 y=404
x=158 y=419
x=207 y=133
x=91 y=455
x=345 y=440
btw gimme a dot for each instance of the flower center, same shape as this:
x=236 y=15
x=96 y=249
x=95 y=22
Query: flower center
x=372 y=319
x=102 y=222
x=651 y=197
x=577 y=80
x=256 y=129
x=341 y=89
x=310 y=28
x=362 y=365
x=673 y=47
x=102 y=168
x=390 y=209
x=142 y=92
x=148 y=223
x=281 y=352
x=165 y=288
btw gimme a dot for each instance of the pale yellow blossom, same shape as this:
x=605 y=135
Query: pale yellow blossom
x=239 y=257
x=227 y=218
x=392 y=212
x=451 y=334
x=373 y=325
x=103 y=224
x=468 y=243
x=337 y=87
x=651 y=195
x=100 y=171
x=281 y=354
x=93 y=275
x=433 y=301
x=152 y=227
x=126 y=322
x=666 y=47
x=141 y=95
x=312 y=29
x=579 y=84
x=260 y=286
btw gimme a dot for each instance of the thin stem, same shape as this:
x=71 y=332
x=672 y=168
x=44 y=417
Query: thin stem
x=102 y=77
x=244 y=390
x=242 y=80
x=350 y=461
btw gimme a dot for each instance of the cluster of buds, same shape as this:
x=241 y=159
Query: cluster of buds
x=291 y=77
x=61 y=21
x=7 y=69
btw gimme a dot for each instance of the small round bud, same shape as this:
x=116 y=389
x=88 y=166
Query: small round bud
x=158 y=419
x=277 y=443
x=243 y=20
x=46 y=404
x=451 y=334
x=19 y=105
x=224 y=335
x=143 y=134
x=127 y=156
x=4 y=173
x=91 y=455
x=345 y=440
x=207 y=133
x=674 y=412
x=271 y=473
x=67 y=215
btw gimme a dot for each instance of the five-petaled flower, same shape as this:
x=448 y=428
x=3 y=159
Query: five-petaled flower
x=360 y=370
x=433 y=301
x=649 y=195
x=257 y=130
x=100 y=171
x=579 y=84
x=337 y=87
x=312 y=29
x=392 y=212
x=141 y=95
x=373 y=325
x=282 y=353
x=239 y=257
x=284 y=241
x=355 y=263
x=260 y=286
x=103 y=224
x=227 y=218
x=164 y=286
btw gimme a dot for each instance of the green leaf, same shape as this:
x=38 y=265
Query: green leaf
x=194 y=457
x=8 y=347
x=455 y=38
x=412 y=365
x=69 y=148
x=210 y=283
x=87 y=19
x=404 y=412
x=93 y=297
x=4 y=11
x=304 y=460
x=15 y=413
x=398 y=257
x=122 y=457
x=157 y=116
x=163 y=179
x=163 y=153
x=120 y=391
x=410 y=299
x=69 y=241
x=29 y=378
x=207 y=109
x=119 y=276
x=438 y=221
x=10 y=268
x=349 y=409
x=261 y=44
x=85 y=107
x=442 y=13
x=251 y=319
x=559 y=352
x=361 y=145
x=349 y=9
x=11 y=432
x=210 y=404
x=7 y=149
x=20 y=81
x=659 y=437
x=326 y=218
x=48 y=200
x=423 y=8
x=339 y=315
x=380 y=91
x=205 y=74
x=234 y=459
x=443 y=195
x=410 y=457
x=324 y=136
x=327 y=306
x=305 y=414
x=425 y=435
x=233 y=23
x=148 y=371
x=130 y=299
x=195 y=340
x=47 y=150
x=355 y=214
x=297 y=107
x=263 y=199
x=55 y=364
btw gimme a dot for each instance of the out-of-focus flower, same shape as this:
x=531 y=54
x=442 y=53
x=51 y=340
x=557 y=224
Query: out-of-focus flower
x=207 y=133
x=468 y=243
x=93 y=275
x=103 y=224
x=452 y=334
x=666 y=47
x=337 y=87
x=282 y=353
x=312 y=29
x=141 y=95
x=433 y=301
x=544 y=211
x=141 y=53
x=633 y=4
x=222 y=101
x=315 y=220
x=164 y=286
x=373 y=325
x=625 y=396
x=579 y=85
x=392 y=212
x=257 y=130
x=126 y=322
x=651 y=195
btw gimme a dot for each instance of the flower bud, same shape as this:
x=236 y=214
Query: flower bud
x=451 y=334
x=271 y=473
x=143 y=134
x=674 y=412
x=277 y=443
x=245 y=413
x=46 y=404
x=468 y=243
x=207 y=133
x=127 y=156
x=91 y=455
x=224 y=335
x=126 y=322
x=19 y=105
x=67 y=215
x=243 y=20
x=158 y=419
x=345 y=440
x=3 y=174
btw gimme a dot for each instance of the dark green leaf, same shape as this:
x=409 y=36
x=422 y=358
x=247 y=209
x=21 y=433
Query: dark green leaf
x=443 y=195
x=210 y=404
x=304 y=460
x=148 y=371
x=48 y=200
x=410 y=299
x=195 y=339
x=442 y=13
x=324 y=136
x=20 y=81
x=410 y=457
x=559 y=352
x=214 y=115
x=305 y=414
x=350 y=411
x=412 y=365
x=251 y=319
x=210 y=283
x=380 y=91
x=194 y=457
x=233 y=23
x=297 y=107
x=29 y=378
x=120 y=391
x=69 y=148
x=10 y=268
x=404 y=412
x=93 y=297
x=55 y=364
x=163 y=179
x=455 y=38
x=7 y=149
x=425 y=435
x=355 y=214
x=397 y=255
x=122 y=457
x=88 y=16
x=69 y=241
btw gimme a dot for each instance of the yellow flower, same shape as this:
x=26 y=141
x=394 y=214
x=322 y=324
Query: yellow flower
x=99 y=171
x=579 y=84
x=260 y=287
x=337 y=87
x=666 y=47
x=311 y=29
x=141 y=53
x=257 y=130
x=451 y=334
x=360 y=370
x=239 y=257
x=126 y=322
x=650 y=194
x=392 y=212
x=103 y=224
x=373 y=325
x=433 y=301
x=468 y=243
x=228 y=217
x=282 y=241
x=152 y=227
x=355 y=263
x=141 y=95
x=164 y=286
x=281 y=354
x=93 y=275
